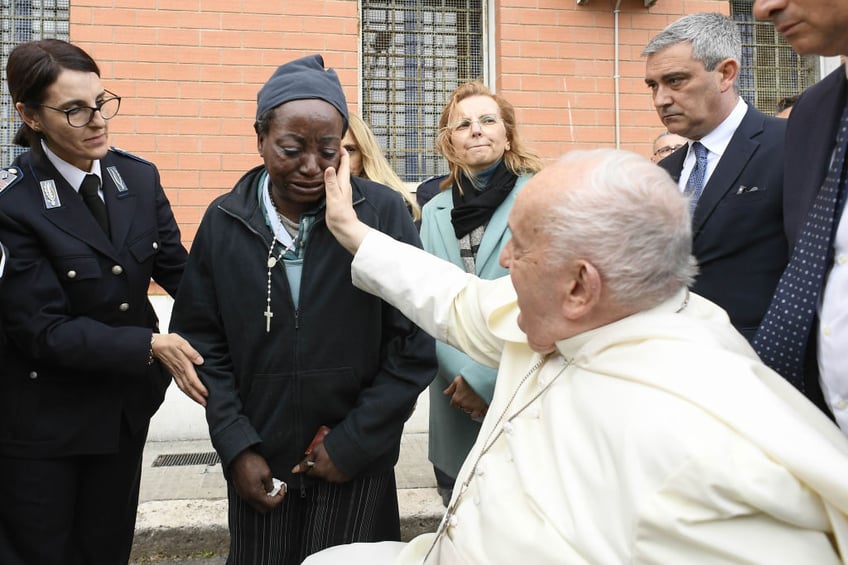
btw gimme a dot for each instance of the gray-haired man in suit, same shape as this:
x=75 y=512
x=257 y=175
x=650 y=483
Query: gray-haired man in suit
x=692 y=66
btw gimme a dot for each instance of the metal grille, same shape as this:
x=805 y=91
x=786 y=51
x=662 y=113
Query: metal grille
x=208 y=458
x=770 y=69
x=20 y=21
x=414 y=53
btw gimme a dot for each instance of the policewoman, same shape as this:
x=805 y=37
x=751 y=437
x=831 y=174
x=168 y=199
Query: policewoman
x=83 y=366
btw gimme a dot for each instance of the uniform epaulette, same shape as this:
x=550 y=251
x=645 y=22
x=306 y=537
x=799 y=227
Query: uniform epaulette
x=9 y=177
x=120 y=151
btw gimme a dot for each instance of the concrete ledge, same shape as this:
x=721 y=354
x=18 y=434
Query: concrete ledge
x=169 y=528
x=175 y=528
x=421 y=511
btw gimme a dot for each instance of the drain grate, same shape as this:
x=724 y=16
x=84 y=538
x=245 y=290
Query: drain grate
x=179 y=459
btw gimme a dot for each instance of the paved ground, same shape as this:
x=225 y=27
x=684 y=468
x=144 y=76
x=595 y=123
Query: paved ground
x=182 y=506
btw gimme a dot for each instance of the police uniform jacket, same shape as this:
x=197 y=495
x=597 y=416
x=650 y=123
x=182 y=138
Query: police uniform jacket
x=76 y=321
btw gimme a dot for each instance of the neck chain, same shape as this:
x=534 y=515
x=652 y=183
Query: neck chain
x=495 y=433
x=271 y=263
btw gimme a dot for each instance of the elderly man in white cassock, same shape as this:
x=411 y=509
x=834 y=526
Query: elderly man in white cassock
x=622 y=427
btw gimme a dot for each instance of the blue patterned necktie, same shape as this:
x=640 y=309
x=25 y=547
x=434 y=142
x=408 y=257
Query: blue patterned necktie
x=781 y=340
x=695 y=184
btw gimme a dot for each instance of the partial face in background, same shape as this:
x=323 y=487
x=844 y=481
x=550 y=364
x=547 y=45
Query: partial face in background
x=811 y=26
x=478 y=134
x=688 y=98
x=352 y=148
x=304 y=139
x=78 y=146
x=666 y=145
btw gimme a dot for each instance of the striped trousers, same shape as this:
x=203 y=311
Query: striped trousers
x=327 y=514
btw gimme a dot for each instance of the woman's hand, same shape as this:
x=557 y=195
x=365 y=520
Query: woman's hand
x=464 y=397
x=179 y=358
x=340 y=215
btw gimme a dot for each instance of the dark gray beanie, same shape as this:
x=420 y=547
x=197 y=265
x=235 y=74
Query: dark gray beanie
x=302 y=79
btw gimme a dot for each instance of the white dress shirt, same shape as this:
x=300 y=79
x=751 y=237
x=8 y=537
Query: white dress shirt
x=716 y=142
x=72 y=174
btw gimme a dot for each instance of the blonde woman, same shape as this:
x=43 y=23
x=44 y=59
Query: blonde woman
x=367 y=161
x=466 y=224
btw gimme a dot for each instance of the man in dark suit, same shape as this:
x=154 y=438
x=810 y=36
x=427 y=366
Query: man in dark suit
x=739 y=244
x=818 y=27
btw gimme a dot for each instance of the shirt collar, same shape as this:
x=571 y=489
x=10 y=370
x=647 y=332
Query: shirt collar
x=718 y=139
x=70 y=173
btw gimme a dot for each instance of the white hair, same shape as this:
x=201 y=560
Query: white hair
x=625 y=216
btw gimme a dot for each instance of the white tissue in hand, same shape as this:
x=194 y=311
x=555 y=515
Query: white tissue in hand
x=278 y=484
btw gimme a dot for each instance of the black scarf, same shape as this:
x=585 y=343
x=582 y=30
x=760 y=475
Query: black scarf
x=473 y=207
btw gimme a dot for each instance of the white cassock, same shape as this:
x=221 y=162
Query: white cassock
x=659 y=438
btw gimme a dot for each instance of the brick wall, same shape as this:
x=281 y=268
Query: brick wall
x=556 y=64
x=189 y=71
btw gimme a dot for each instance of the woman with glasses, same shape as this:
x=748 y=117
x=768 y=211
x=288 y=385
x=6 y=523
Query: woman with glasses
x=83 y=364
x=467 y=224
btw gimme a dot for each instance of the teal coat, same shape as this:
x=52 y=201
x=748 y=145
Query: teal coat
x=452 y=432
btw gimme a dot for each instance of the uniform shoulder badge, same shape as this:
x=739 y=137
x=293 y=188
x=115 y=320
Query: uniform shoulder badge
x=130 y=155
x=9 y=176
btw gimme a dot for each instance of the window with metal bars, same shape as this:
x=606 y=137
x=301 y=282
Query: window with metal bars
x=21 y=21
x=770 y=69
x=414 y=53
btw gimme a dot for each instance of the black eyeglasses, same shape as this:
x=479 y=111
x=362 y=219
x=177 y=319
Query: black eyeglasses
x=81 y=116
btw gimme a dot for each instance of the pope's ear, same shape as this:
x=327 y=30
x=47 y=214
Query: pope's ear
x=582 y=291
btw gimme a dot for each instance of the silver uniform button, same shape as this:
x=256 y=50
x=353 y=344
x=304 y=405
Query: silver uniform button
x=117 y=270
x=72 y=274
x=33 y=375
x=155 y=245
x=124 y=307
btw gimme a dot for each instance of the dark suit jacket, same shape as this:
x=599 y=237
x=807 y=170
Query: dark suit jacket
x=75 y=315
x=737 y=224
x=428 y=189
x=810 y=138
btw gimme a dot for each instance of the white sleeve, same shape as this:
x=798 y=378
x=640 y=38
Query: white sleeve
x=442 y=299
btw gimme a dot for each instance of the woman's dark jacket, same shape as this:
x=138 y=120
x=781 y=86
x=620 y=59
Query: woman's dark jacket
x=343 y=358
